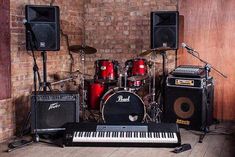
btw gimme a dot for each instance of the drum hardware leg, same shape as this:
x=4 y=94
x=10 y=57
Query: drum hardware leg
x=83 y=83
x=155 y=108
x=125 y=78
x=92 y=115
x=120 y=80
x=156 y=112
x=148 y=118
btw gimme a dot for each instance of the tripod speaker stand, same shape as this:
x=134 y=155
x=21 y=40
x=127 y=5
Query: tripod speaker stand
x=40 y=36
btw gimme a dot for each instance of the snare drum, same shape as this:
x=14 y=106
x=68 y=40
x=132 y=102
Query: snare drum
x=135 y=84
x=121 y=106
x=137 y=67
x=106 y=70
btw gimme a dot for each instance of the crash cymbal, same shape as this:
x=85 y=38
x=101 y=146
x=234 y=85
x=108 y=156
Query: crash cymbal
x=156 y=50
x=85 y=49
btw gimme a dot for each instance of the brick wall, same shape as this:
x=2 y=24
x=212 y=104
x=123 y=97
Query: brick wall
x=118 y=29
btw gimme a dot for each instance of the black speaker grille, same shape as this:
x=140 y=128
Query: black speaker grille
x=57 y=116
x=165 y=37
x=45 y=35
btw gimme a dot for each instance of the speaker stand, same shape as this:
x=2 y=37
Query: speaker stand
x=35 y=139
x=45 y=84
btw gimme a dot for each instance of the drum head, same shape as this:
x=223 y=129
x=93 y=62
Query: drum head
x=123 y=107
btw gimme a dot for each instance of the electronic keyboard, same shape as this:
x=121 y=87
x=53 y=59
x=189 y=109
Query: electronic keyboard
x=150 y=134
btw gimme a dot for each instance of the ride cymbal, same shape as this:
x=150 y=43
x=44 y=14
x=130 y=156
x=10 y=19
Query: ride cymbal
x=156 y=50
x=85 y=49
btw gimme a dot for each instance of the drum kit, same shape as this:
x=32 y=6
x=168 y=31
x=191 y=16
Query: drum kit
x=114 y=91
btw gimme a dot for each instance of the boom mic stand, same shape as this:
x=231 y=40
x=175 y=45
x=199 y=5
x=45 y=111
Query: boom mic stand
x=207 y=68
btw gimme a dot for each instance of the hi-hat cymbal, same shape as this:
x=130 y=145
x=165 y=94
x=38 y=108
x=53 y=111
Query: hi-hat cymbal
x=137 y=78
x=156 y=50
x=85 y=49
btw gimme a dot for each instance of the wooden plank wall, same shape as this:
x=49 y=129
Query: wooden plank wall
x=209 y=27
x=5 y=60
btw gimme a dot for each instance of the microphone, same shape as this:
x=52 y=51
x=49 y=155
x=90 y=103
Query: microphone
x=187 y=47
x=27 y=25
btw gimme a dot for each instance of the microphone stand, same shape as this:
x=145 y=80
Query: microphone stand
x=206 y=63
x=207 y=67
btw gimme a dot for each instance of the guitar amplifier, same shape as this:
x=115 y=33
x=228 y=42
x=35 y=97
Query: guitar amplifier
x=52 y=110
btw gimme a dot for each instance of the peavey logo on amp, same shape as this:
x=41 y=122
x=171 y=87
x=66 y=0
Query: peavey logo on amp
x=54 y=106
x=120 y=98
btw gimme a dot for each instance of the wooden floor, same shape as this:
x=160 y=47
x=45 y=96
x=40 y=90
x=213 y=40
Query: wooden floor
x=216 y=145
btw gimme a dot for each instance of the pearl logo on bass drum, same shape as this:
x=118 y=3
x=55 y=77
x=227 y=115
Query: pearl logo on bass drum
x=120 y=98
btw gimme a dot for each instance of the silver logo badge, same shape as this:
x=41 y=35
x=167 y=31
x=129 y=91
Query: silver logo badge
x=121 y=99
x=53 y=106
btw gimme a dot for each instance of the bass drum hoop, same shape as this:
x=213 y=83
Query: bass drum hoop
x=116 y=90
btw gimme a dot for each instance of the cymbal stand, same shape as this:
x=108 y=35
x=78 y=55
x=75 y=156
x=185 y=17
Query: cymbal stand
x=125 y=77
x=155 y=108
x=83 y=83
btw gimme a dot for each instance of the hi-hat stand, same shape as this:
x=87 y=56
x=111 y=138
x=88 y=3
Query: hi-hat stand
x=207 y=68
x=155 y=107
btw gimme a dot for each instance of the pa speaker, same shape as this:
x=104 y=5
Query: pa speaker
x=52 y=110
x=190 y=107
x=164 y=29
x=43 y=28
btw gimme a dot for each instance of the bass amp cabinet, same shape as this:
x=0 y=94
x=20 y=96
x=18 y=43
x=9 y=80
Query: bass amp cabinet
x=189 y=102
x=52 y=110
